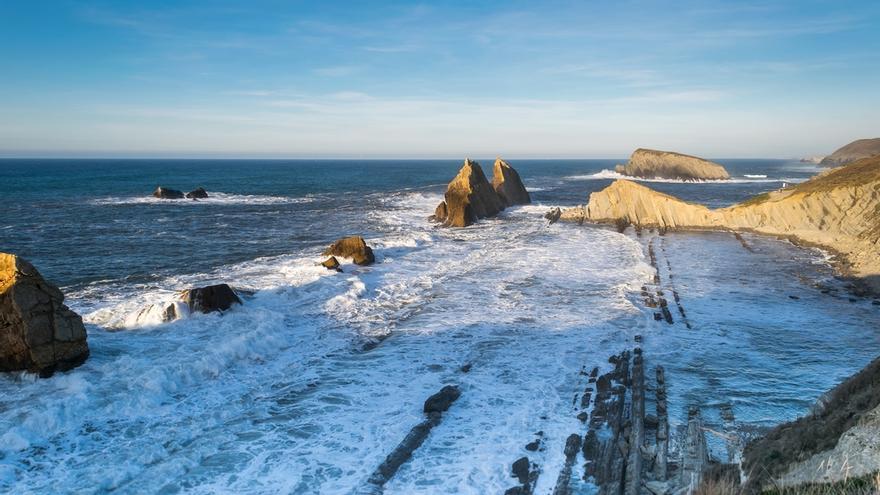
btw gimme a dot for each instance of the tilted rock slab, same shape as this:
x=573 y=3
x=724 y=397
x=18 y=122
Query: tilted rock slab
x=854 y=151
x=650 y=164
x=38 y=333
x=838 y=209
x=508 y=185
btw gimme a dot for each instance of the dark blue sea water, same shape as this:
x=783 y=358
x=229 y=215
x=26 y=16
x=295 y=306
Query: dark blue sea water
x=312 y=382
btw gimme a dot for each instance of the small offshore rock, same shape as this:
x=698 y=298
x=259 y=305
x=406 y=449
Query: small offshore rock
x=521 y=470
x=533 y=445
x=353 y=247
x=441 y=401
x=331 y=263
x=166 y=193
x=553 y=215
x=198 y=193
x=218 y=297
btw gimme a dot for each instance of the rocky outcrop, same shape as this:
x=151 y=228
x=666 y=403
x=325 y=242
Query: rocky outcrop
x=197 y=193
x=208 y=299
x=331 y=263
x=166 y=193
x=38 y=333
x=839 y=440
x=856 y=150
x=468 y=198
x=508 y=185
x=353 y=247
x=838 y=209
x=653 y=164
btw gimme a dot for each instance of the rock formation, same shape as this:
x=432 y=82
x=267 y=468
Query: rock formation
x=353 y=247
x=166 y=193
x=331 y=263
x=218 y=297
x=838 y=209
x=508 y=185
x=197 y=193
x=839 y=440
x=469 y=197
x=650 y=164
x=38 y=333
x=856 y=150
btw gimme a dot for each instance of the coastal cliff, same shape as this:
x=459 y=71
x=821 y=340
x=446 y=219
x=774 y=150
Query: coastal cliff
x=838 y=209
x=856 y=150
x=649 y=164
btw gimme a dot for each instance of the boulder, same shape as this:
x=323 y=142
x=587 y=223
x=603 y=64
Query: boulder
x=553 y=215
x=165 y=193
x=654 y=164
x=198 y=193
x=353 y=247
x=469 y=197
x=218 y=297
x=441 y=401
x=331 y=263
x=38 y=333
x=508 y=185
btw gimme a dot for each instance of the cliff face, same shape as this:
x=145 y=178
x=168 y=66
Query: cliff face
x=839 y=209
x=856 y=150
x=649 y=164
x=508 y=185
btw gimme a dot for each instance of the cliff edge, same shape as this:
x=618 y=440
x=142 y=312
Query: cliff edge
x=856 y=150
x=651 y=164
x=838 y=209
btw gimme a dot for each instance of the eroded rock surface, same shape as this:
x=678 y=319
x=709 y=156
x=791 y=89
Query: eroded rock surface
x=508 y=185
x=218 y=297
x=353 y=247
x=468 y=198
x=38 y=333
x=651 y=164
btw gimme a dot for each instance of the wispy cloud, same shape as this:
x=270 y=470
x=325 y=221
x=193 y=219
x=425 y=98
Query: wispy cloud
x=337 y=70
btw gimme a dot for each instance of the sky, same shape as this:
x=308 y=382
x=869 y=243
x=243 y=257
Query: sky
x=550 y=79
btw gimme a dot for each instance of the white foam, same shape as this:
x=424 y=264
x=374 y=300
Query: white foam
x=611 y=174
x=214 y=198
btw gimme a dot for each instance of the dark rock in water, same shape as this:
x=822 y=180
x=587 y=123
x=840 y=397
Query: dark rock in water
x=794 y=297
x=219 y=297
x=553 y=215
x=583 y=416
x=876 y=302
x=353 y=247
x=533 y=446
x=331 y=263
x=516 y=490
x=441 y=401
x=468 y=198
x=38 y=333
x=165 y=193
x=466 y=368
x=521 y=470
x=508 y=185
x=198 y=193
x=572 y=445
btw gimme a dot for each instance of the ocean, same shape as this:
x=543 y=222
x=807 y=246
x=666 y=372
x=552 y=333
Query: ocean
x=308 y=385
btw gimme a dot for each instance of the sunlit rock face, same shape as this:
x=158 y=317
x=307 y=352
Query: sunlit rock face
x=650 y=164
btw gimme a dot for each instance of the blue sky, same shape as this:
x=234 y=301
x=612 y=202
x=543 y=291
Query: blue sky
x=439 y=79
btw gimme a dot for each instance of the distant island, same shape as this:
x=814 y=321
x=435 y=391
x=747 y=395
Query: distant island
x=655 y=164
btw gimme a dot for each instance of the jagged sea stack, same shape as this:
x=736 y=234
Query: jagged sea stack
x=469 y=197
x=654 y=164
x=508 y=185
x=38 y=333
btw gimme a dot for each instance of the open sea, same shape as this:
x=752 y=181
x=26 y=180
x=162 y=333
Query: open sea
x=319 y=375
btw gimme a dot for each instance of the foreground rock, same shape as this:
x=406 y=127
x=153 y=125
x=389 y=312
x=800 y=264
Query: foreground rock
x=353 y=247
x=653 y=164
x=837 y=441
x=198 y=193
x=508 y=185
x=838 y=209
x=854 y=151
x=38 y=333
x=331 y=263
x=166 y=193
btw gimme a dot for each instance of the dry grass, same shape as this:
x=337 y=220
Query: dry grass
x=867 y=485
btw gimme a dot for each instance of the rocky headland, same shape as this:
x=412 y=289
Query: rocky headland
x=470 y=196
x=856 y=150
x=838 y=210
x=38 y=333
x=654 y=164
